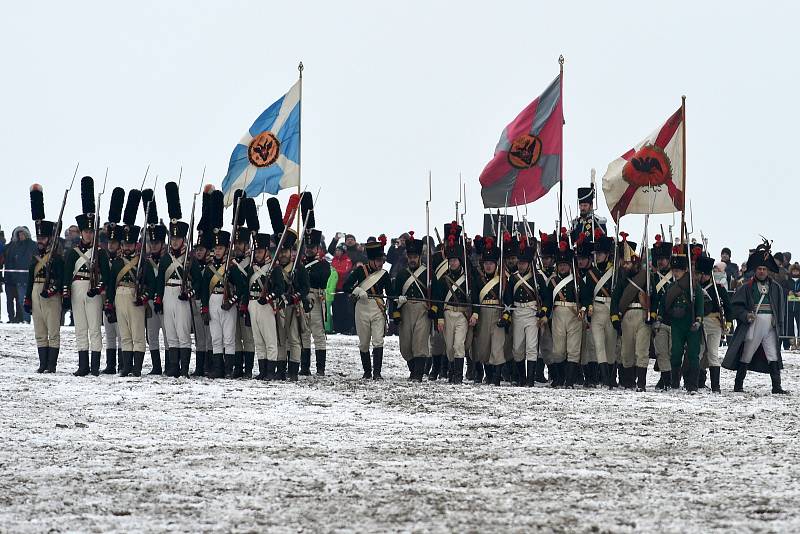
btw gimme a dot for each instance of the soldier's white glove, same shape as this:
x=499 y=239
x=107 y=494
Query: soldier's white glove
x=695 y=326
x=751 y=317
x=360 y=293
x=402 y=299
x=656 y=324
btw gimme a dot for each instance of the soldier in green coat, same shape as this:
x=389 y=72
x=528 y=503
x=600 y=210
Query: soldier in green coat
x=682 y=309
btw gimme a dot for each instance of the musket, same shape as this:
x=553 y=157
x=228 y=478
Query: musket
x=144 y=179
x=722 y=320
x=501 y=237
x=464 y=238
x=277 y=251
x=225 y=290
x=190 y=244
x=689 y=258
x=438 y=237
x=180 y=177
x=94 y=271
x=142 y=251
x=57 y=227
x=574 y=275
x=428 y=265
x=528 y=235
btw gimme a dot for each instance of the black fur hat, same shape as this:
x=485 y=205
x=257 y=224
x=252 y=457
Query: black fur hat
x=215 y=211
x=237 y=196
x=115 y=206
x=87 y=195
x=37 y=202
x=152 y=210
x=205 y=204
x=251 y=215
x=275 y=215
x=173 y=202
x=131 y=207
x=307 y=210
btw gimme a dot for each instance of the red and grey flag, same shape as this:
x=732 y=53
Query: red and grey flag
x=527 y=159
x=649 y=177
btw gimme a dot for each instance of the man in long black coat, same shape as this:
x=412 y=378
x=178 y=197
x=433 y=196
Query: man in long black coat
x=759 y=309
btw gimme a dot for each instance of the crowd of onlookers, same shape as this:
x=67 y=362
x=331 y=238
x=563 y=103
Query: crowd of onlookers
x=346 y=253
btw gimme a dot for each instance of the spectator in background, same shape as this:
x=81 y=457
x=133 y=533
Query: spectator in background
x=396 y=255
x=792 y=286
x=731 y=269
x=18 y=257
x=353 y=250
x=2 y=258
x=343 y=309
x=783 y=273
x=72 y=237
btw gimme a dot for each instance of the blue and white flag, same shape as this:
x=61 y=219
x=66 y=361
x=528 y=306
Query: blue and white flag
x=267 y=159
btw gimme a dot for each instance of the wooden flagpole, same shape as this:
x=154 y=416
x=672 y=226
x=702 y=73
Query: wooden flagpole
x=684 y=238
x=561 y=159
x=300 y=143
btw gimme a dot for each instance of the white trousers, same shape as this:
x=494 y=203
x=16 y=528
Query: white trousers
x=265 y=330
x=761 y=332
x=222 y=325
x=177 y=319
x=525 y=332
x=709 y=342
x=603 y=334
x=113 y=340
x=130 y=320
x=46 y=313
x=370 y=324
x=314 y=325
x=88 y=315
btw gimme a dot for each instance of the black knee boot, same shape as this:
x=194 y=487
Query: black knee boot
x=741 y=373
x=701 y=378
x=519 y=378
x=691 y=379
x=52 y=359
x=366 y=365
x=604 y=375
x=94 y=366
x=540 y=372
x=83 y=363
x=477 y=372
x=675 y=378
x=155 y=359
x=199 y=363
x=775 y=375
x=530 y=380
x=458 y=370
x=294 y=369
x=271 y=370
x=280 y=370
x=186 y=357
x=321 y=355
x=262 y=370
x=665 y=381
x=111 y=362
x=217 y=367
x=138 y=361
x=124 y=365
x=249 y=360
x=641 y=379
x=377 y=363
x=470 y=364
x=419 y=368
x=428 y=364
x=436 y=364
x=444 y=369
x=236 y=365
x=305 y=362
x=714 y=374
x=42 y=359
x=571 y=374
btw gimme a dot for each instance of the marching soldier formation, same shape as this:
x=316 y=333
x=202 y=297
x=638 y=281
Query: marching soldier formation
x=589 y=308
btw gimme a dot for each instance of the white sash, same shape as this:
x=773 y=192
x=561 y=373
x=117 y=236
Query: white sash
x=561 y=285
x=523 y=280
x=243 y=264
x=488 y=287
x=441 y=269
x=371 y=280
x=173 y=267
x=455 y=287
x=413 y=279
x=602 y=282
x=665 y=279
x=258 y=272
x=311 y=264
x=80 y=262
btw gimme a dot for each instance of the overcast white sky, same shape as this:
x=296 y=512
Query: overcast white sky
x=392 y=90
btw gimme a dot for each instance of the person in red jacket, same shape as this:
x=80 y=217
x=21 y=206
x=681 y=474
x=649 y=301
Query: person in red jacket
x=342 y=308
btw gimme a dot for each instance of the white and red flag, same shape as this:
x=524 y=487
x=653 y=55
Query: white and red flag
x=649 y=177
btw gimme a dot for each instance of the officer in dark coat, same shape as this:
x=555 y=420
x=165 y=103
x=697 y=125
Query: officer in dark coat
x=759 y=309
x=586 y=222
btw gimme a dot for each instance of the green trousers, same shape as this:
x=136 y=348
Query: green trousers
x=684 y=340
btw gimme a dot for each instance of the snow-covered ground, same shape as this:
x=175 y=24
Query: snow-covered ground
x=339 y=454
